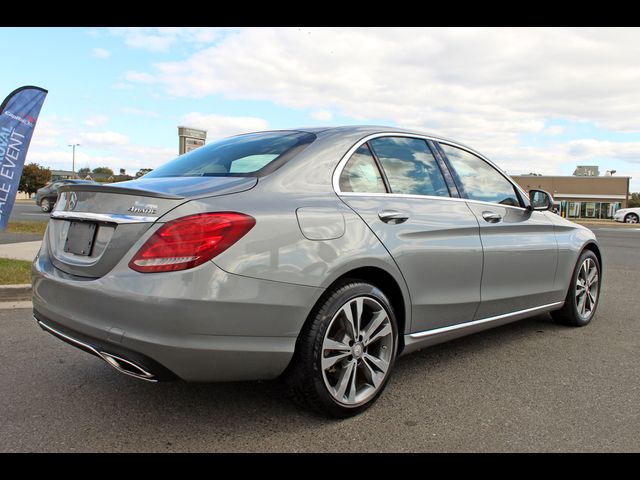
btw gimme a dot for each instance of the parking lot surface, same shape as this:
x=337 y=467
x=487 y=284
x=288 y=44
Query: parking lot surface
x=528 y=386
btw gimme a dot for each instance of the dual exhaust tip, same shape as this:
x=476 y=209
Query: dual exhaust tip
x=120 y=364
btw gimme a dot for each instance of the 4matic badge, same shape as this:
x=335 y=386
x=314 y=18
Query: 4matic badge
x=147 y=208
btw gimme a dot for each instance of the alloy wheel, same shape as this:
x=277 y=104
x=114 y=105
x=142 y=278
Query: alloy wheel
x=357 y=351
x=587 y=288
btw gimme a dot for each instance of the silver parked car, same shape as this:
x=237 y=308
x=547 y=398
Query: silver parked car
x=316 y=255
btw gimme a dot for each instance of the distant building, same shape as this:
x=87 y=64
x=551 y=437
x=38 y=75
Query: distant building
x=62 y=174
x=587 y=171
x=581 y=196
x=99 y=177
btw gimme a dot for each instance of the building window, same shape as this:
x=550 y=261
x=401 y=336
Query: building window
x=588 y=209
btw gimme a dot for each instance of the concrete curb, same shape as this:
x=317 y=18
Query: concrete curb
x=15 y=293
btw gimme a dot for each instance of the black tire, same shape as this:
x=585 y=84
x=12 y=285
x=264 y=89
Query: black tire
x=631 y=218
x=305 y=379
x=569 y=313
x=45 y=205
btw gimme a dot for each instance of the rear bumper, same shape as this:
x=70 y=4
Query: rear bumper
x=198 y=325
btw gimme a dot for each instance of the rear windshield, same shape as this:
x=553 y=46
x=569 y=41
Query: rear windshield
x=253 y=154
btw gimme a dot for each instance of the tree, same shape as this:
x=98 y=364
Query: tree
x=122 y=178
x=143 y=171
x=33 y=177
x=83 y=172
x=123 y=171
x=634 y=200
x=105 y=170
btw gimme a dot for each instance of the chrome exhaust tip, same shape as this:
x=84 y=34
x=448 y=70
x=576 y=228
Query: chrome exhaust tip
x=127 y=367
x=120 y=364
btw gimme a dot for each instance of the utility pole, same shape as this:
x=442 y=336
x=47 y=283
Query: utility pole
x=73 y=165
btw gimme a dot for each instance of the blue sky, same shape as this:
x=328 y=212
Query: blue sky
x=541 y=100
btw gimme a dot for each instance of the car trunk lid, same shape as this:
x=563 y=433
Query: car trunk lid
x=93 y=227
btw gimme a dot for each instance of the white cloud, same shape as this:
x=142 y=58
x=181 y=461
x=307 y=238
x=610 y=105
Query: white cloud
x=140 y=77
x=96 y=120
x=322 y=115
x=97 y=149
x=101 y=139
x=100 y=53
x=122 y=86
x=140 y=113
x=553 y=130
x=161 y=39
x=488 y=84
x=218 y=126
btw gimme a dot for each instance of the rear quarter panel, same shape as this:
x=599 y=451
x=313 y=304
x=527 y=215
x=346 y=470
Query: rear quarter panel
x=276 y=248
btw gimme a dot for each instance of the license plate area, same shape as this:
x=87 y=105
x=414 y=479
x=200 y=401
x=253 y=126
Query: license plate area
x=80 y=237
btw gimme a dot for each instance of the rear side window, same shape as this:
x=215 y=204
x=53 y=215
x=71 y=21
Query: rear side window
x=361 y=173
x=410 y=166
x=479 y=180
x=244 y=155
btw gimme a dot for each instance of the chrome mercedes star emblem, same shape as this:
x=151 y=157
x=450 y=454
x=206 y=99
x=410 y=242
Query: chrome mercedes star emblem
x=73 y=200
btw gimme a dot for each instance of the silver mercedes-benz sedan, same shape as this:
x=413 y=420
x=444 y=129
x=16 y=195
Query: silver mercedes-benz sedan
x=315 y=255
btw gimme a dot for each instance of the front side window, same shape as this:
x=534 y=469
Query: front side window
x=479 y=180
x=361 y=174
x=409 y=166
x=236 y=156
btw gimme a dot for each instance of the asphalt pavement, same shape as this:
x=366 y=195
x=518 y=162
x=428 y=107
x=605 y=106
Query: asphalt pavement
x=28 y=211
x=528 y=386
x=23 y=211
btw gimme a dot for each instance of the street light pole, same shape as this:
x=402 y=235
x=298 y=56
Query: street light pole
x=73 y=165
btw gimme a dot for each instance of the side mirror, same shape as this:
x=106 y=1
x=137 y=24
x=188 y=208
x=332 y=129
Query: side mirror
x=540 y=200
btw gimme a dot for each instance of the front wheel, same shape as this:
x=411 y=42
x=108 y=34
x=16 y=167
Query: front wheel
x=584 y=292
x=45 y=205
x=346 y=351
x=631 y=218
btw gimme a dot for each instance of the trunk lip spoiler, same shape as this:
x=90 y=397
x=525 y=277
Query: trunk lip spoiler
x=119 y=190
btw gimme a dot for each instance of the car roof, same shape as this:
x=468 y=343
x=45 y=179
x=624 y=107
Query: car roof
x=365 y=130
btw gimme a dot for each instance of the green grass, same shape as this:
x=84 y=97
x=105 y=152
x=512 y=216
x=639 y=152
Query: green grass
x=27 y=227
x=14 y=272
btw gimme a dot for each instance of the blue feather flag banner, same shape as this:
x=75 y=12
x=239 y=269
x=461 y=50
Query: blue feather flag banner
x=18 y=115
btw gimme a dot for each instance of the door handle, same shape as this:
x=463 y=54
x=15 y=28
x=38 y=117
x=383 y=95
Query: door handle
x=393 y=216
x=492 y=217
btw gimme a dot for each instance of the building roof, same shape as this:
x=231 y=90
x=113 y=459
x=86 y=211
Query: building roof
x=585 y=177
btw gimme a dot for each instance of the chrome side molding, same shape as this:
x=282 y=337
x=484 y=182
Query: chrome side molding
x=506 y=316
x=418 y=340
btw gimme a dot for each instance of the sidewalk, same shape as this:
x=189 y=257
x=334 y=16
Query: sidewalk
x=602 y=222
x=20 y=251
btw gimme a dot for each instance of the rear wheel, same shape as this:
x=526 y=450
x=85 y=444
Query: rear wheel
x=45 y=205
x=582 y=299
x=631 y=218
x=346 y=351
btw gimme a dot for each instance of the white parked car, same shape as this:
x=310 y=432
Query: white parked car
x=627 y=215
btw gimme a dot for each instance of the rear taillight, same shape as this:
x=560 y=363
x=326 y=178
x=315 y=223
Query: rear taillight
x=190 y=241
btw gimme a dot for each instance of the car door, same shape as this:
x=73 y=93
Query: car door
x=520 y=248
x=397 y=187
